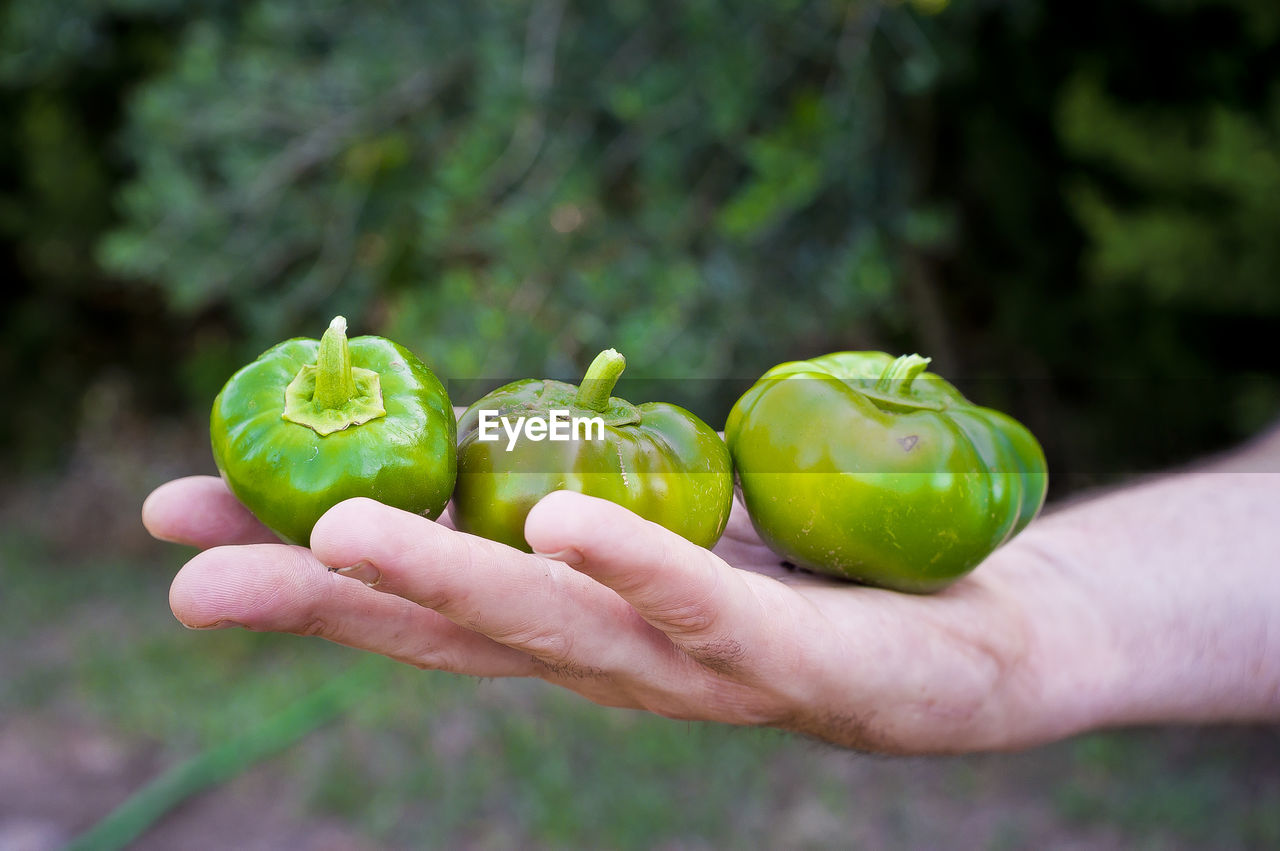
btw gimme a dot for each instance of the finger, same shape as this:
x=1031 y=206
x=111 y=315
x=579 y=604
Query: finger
x=575 y=627
x=202 y=512
x=285 y=589
x=706 y=608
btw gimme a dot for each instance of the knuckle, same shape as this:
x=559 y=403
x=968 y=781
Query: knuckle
x=311 y=624
x=441 y=599
x=549 y=646
x=552 y=652
x=429 y=660
x=429 y=653
x=691 y=618
x=311 y=614
x=695 y=611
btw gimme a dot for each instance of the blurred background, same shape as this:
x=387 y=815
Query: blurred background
x=1073 y=207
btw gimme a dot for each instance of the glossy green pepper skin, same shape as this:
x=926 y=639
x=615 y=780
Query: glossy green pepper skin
x=658 y=460
x=863 y=466
x=311 y=423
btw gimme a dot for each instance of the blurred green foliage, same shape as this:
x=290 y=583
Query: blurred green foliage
x=1113 y=169
x=509 y=188
x=1069 y=205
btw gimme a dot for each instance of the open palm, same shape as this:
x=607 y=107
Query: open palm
x=628 y=614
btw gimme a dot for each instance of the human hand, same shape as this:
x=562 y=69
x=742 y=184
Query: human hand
x=629 y=614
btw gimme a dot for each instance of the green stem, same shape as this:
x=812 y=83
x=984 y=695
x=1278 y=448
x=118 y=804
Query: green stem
x=897 y=376
x=597 y=384
x=224 y=761
x=335 y=383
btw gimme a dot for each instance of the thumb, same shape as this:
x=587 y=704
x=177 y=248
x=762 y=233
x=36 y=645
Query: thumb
x=704 y=606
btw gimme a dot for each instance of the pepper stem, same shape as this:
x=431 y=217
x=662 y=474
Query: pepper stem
x=897 y=376
x=597 y=384
x=335 y=383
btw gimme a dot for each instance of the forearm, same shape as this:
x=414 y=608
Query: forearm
x=1172 y=607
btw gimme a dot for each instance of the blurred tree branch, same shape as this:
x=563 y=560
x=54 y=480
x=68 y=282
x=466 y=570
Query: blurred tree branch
x=321 y=144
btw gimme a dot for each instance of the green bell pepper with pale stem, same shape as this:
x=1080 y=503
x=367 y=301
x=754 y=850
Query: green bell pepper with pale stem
x=656 y=459
x=311 y=423
x=866 y=467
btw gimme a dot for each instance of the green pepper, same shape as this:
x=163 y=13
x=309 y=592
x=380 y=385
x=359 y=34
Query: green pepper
x=656 y=459
x=311 y=423
x=866 y=467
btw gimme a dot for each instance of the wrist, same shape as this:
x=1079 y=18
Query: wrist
x=1155 y=606
x=1073 y=676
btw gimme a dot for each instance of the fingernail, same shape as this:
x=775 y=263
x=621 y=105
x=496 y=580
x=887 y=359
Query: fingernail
x=362 y=570
x=217 y=625
x=569 y=556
